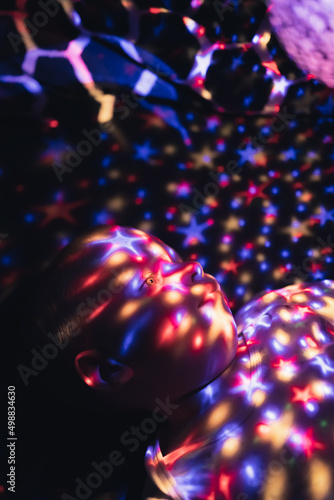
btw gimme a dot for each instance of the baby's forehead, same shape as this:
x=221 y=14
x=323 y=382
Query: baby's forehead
x=156 y=251
x=135 y=246
x=145 y=259
x=130 y=265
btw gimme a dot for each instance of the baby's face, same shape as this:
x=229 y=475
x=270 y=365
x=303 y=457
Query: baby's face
x=176 y=330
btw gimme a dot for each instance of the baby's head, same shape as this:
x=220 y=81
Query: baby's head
x=135 y=321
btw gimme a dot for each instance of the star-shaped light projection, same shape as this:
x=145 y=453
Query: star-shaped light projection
x=202 y=62
x=324 y=216
x=248 y=154
x=231 y=266
x=287 y=368
x=120 y=241
x=289 y=154
x=254 y=191
x=204 y=158
x=305 y=441
x=237 y=61
x=327 y=109
x=249 y=384
x=59 y=210
x=194 y=231
x=281 y=85
x=297 y=229
x=325 y=364
x=144 y=151
x=302 y=395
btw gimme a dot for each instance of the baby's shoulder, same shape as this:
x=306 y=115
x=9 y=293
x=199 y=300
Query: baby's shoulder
x=293 y=331
x=303 y=312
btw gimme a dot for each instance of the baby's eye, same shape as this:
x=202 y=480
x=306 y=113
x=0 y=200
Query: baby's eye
x=150 y=281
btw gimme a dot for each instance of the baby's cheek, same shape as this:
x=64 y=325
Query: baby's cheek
x=176 y=329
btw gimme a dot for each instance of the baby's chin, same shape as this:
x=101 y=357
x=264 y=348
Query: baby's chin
x=223 y=315
x=229 y=332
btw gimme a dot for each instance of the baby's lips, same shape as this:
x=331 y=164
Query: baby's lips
x=210 y=285
x=210 y=296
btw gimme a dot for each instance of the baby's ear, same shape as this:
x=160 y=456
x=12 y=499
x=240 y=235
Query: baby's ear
x=101 y=372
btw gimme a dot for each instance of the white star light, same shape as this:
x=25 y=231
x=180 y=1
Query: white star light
x=325 y=364
x=118 y=242
x=201 y=64
x=250 y=384
x=280 y=86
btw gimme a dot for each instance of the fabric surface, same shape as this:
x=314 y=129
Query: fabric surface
x=278 y=442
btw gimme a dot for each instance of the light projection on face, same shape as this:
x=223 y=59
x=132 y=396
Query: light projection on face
x=167 y=313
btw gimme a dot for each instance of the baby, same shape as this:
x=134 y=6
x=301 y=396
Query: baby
x=249 y=407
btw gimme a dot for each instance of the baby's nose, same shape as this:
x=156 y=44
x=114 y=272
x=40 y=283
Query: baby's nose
x=192 y=271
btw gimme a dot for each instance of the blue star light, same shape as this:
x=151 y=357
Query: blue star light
x=324 y=216
x=236 y=61
x=328 y=107
x=248 y=154
x=143 y=151
x=193 y=231
x=289 y=154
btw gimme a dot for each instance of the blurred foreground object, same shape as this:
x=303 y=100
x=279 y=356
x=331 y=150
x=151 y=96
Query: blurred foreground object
x=306 y=29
